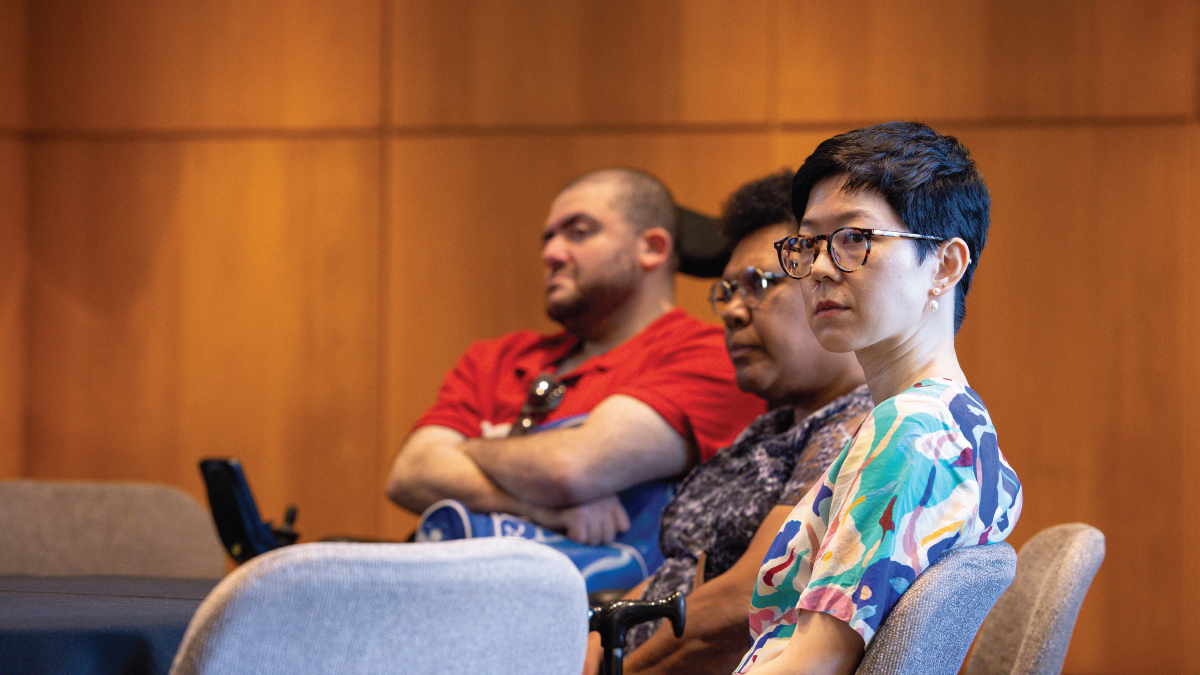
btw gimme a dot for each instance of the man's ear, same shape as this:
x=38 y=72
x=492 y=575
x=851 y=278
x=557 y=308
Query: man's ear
x=953 y=258
x=654 y=247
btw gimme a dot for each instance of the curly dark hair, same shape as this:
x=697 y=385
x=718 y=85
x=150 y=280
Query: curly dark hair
x=760 y=203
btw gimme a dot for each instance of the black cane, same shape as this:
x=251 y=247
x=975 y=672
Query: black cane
x=613 y=619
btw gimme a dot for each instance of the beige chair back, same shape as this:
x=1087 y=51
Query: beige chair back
x=50 y=528
x=1029 y=629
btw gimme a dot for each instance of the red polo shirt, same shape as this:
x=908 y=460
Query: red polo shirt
x=677 y=365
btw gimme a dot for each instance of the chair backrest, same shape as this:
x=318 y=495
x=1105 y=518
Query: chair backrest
x=702 y=251
x=931 y=627
x=488 y=605
x=1030 y=627
x=50 y=528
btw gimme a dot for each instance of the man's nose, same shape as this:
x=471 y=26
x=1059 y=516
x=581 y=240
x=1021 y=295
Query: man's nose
x=554 y=252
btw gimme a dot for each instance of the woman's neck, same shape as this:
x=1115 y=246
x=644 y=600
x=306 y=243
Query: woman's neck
x=890 y=371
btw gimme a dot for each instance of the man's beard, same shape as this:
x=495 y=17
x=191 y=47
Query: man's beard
x=592 y=304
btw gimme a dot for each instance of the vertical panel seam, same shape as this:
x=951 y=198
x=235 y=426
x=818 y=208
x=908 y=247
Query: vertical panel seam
x=1195 y=112
x=25 y=464
x=384 y=258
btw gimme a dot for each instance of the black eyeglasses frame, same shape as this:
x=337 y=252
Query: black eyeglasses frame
x=735 y=287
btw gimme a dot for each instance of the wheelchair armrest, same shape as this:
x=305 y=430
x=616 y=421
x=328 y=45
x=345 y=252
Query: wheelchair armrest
x=235 y=513
x=613 y=619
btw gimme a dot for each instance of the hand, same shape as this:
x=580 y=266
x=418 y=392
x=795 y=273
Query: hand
x=596 y=522
x=593 y=523
x=595 y=654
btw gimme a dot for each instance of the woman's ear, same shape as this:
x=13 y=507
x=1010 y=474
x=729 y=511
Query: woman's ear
x=654 y=247
x=954 y=257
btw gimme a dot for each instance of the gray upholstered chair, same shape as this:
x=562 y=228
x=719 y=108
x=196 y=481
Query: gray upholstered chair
x=931 y=628
x=50 y=528
x=490 y=605
x=1030 y=627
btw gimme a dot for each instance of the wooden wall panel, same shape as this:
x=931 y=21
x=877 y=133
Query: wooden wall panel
x=14 y=251
x=985 y=59
x=493 y=62
x=467 y=216
x=1075 y=334
x=1189 y=467
x=225 y=291
x=210 y=298
x=14 y=284
x=137 y=64
x=13 y=51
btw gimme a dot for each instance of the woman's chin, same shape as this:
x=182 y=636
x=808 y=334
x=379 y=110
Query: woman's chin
x=836 y=341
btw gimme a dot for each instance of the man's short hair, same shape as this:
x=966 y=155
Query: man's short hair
x=642 y=200
x=760 y=203
x=928 y=178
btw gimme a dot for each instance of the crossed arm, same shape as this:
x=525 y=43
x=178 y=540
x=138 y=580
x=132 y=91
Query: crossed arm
x=552 y=477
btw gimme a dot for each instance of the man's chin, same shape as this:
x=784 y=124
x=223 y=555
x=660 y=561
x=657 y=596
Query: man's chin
x=564 y=313
x=579 y=312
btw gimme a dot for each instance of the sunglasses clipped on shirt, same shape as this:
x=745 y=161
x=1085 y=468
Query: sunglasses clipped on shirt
x=545 y=394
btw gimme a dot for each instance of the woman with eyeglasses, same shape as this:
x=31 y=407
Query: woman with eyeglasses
x=892 y=220
x=715 y=531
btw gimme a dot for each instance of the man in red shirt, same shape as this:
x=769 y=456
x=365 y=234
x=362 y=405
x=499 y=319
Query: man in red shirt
x=634 y=391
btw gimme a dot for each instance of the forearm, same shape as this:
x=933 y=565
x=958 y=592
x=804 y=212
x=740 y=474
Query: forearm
x=538 y=467
x=820 y=645
x=475 y=491
x=432 y=466
x=622 y=443
x=715 y=637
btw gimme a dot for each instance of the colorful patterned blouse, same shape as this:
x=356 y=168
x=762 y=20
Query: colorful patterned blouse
x=924 y=474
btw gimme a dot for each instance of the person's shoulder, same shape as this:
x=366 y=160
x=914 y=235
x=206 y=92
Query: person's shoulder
x=925 y=406
x=856 y=402
x=933 y=396
x=933 y=409
x=677 y=325
x=516 y=342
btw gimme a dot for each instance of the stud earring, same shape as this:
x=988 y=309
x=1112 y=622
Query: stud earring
x=937 y=291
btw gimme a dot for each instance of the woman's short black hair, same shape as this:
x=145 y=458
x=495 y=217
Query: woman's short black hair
x=760 y=203
x=928 y=178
